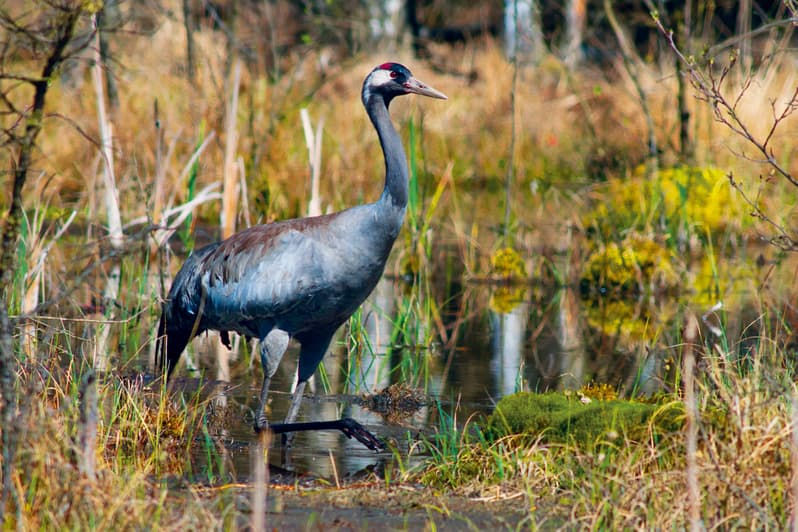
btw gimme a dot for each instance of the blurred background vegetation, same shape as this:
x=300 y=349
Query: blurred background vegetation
x=549 y=99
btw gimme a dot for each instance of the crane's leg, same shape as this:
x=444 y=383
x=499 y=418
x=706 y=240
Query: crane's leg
x=290 y=417
x=313 y=350
x=296 y=402
x=272 y=348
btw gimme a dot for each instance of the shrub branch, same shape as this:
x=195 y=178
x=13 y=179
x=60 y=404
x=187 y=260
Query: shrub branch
x=708 y=84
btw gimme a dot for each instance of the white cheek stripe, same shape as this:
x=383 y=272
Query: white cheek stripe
x=376 y=79
x=380 y=77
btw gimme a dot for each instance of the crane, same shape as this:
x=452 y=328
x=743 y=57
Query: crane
x=300 y=278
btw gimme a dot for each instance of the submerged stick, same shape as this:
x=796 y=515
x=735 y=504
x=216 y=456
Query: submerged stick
x=350 y=427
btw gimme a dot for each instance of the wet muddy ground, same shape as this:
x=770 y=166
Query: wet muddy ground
x=370 y=506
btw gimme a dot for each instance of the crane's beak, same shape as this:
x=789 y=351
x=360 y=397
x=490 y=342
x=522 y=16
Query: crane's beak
x=416 y=87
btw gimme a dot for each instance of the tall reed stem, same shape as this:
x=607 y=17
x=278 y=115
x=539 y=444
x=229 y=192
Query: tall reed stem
x=510 y=177
x=100 y=355
x=230 y=186
x=107 y=147
x=691 y=425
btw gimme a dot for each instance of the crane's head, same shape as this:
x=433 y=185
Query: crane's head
x=392 y=79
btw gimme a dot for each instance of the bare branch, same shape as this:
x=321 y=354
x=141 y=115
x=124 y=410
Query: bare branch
x=709 y=84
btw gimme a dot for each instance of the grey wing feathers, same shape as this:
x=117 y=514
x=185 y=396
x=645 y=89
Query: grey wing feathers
x=296 y=275
x=260 y=279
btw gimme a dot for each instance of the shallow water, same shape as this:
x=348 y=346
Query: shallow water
x=489 y=341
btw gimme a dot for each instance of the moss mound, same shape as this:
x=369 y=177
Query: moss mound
x=568 y=417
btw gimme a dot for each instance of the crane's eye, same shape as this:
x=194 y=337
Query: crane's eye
x=393 y=74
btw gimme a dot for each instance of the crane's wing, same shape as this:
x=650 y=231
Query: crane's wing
x=275 y=275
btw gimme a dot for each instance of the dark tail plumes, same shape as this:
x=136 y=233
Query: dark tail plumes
x=172 y=339
x=181 y=311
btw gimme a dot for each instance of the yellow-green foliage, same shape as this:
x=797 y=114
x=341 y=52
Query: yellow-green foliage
x=638 y=264
x=701 y=196
x=601 y=391
x=685 y=198
x=563 y=417
x=508 y=264
x=723 y=281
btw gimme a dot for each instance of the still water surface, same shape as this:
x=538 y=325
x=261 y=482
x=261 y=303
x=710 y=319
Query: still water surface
x=484 y=341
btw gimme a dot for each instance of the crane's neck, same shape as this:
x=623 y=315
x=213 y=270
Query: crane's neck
x=395 y=192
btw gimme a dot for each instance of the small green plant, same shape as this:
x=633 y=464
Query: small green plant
x=507 y=264
x=599 y=391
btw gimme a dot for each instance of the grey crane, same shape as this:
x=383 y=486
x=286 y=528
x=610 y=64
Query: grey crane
x=300 y=278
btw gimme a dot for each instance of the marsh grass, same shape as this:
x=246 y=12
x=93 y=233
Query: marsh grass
x=742 y=460
x=144 y=438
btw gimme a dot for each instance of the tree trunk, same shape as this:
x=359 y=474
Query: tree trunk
x=63 y=30
x=576 y=12
x=190 y=69
x=106 y=18
x=522 y=30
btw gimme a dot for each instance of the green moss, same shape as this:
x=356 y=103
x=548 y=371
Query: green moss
x=565 y=417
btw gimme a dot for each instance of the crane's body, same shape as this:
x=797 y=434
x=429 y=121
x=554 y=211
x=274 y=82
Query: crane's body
x=300 y=278
x=304 y=276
